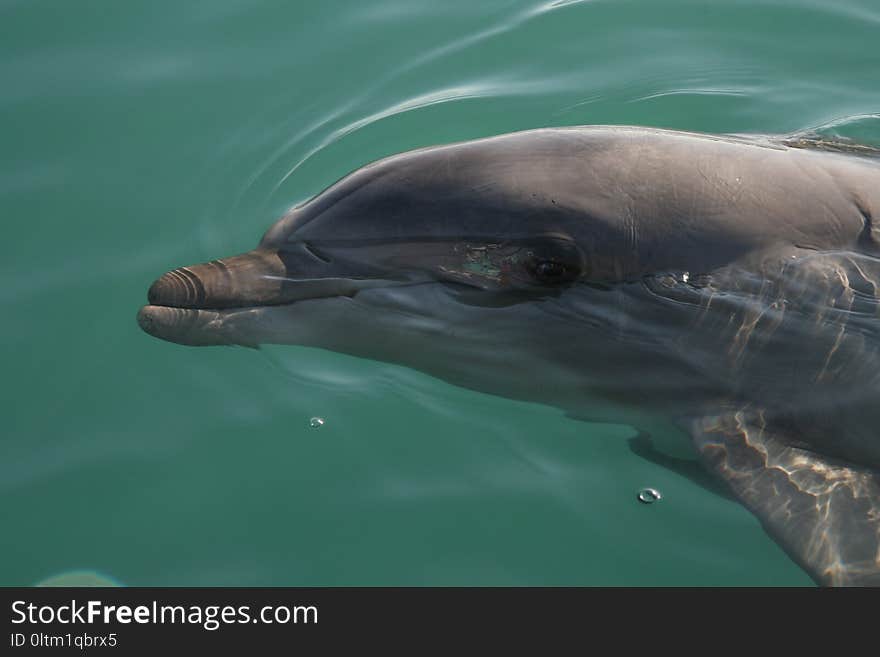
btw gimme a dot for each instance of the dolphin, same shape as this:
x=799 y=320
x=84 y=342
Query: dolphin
x=728 y=285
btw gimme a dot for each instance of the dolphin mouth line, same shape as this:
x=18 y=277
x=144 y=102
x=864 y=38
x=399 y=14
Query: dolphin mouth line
x=193 y=307
x=222 y=308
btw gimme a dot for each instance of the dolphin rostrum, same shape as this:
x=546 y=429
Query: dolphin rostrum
x=728 y=284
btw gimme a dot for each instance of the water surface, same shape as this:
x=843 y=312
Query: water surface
x=139 y=136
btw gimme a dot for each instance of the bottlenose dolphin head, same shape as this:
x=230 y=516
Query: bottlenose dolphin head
x=443 y=259
x=510 y=264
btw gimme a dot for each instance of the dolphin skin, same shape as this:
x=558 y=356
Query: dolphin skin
x=725 y=284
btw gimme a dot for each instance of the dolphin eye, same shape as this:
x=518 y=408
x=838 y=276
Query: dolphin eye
x=551 y=272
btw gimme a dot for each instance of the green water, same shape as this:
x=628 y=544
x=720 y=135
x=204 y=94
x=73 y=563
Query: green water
x=138 y=136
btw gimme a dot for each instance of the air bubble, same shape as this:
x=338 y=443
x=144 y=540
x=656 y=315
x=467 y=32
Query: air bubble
x=649 y=495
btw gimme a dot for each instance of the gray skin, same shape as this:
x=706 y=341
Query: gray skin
x=728 y=285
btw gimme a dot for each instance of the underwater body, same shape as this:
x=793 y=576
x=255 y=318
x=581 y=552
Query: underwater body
x=727 y=284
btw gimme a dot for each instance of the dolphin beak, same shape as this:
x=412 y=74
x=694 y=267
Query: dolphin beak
x=192 y=305
x=251 y=279
x=187 y=305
